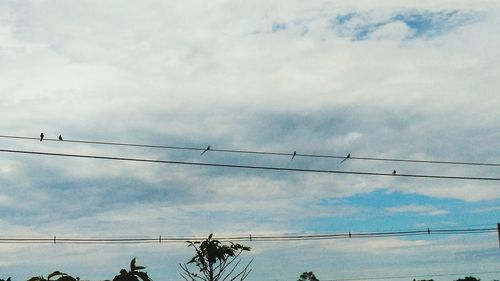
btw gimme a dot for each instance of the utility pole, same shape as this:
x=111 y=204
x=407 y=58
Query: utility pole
x=498 y=227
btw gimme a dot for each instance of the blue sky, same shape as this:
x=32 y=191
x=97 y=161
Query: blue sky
x=393 y=79
x=420 y=24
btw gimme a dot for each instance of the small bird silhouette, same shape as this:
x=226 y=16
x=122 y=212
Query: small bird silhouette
x=41 y=136
x=206 y=149
x=347 y=157
x=60 y=138
x=394 y=172
x=294 y=154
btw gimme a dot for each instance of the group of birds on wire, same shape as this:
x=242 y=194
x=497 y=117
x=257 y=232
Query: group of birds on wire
x=42 y=136
x=293 y=155
x=258 y=167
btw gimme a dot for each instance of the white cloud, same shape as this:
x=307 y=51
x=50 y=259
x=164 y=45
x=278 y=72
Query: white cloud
x=202 y=74
x=383 y=245
x=396 y=31
x=418 y=209
x=487 y=209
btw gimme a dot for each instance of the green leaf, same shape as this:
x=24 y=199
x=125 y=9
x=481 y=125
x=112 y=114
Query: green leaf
x=132 y=264
x=55 y=273
x=66 y=278
x=123 y=276
x=36 y=278
x=143 y=275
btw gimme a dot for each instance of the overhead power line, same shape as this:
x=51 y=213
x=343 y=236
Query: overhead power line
x=415 y=276
x=288 y=154
x=249 y=167
x=236 y=238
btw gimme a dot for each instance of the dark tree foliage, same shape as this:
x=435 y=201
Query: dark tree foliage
x=61 y=276
x=8 y=279
x=133 y=274
x=215 y=261
x=308 y=276
x=468 y=278
x=55 y=276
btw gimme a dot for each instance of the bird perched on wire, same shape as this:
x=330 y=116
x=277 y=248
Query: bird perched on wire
x=393 y=172
x=41 y=136
x=347 y=157
x=206 y=149
x=60 y=138
x=293 y=155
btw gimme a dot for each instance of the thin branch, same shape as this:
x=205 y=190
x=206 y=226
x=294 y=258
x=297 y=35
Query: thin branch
x=243 y=273
x=246 y=275
x=184 y=277
x=190 y=274
x=220 y=267
x=225 y=264
x=235 y=257
x=221 y=264
x=232 y=270
x=231 y=261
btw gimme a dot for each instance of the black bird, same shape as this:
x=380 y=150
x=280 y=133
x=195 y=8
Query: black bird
x=41 y=136
x=347 y=157
x=394 y=172
x=206 y=149
x=294 y=154
x=60 y=138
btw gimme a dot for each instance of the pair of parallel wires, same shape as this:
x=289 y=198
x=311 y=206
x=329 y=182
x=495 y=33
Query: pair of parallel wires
x=249 y=238
x=210 y=149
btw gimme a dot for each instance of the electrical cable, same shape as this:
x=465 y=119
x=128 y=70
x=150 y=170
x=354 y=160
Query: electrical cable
x=257 y=152
x=269 y=168
x=236 y=238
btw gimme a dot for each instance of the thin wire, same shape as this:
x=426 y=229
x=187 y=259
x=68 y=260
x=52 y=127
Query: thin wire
x=258 y=152
x=443 y=227
x=269 y=168
x=415 y=228
x=415 y=276
x=234 y=238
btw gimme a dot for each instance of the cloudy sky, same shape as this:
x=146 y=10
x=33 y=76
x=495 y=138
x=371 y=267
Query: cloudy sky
x=392 y=79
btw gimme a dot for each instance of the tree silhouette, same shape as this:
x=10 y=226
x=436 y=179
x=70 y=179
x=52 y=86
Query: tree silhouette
x=132 y=275
x=468 y=278
x=61 y=277
x=215 y=261
x=8 y=279
x=308 y=276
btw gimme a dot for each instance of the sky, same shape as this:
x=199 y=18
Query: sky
x=391 y=79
